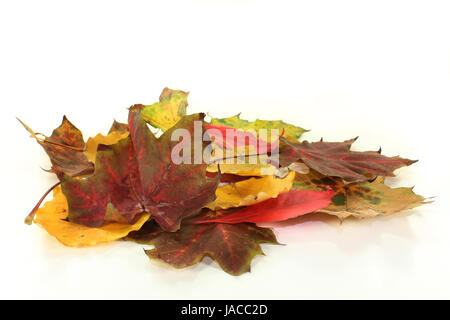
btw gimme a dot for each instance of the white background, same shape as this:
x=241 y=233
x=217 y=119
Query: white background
x=374 y=69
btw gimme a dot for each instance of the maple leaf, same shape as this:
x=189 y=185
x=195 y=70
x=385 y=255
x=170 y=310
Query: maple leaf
x=118 y=127
x=239 y=152
x=137 y=175
x=51 y=216
x=291 y=132
x=231 y=138
x=114 y=136
x=251 y=191
x=65 y=148
x=117 y=132
x=232 y=246
x=260 y=168
x=168 y=111
x=172 y=106
x=335 y=159
x=286 y=206
x=361 y=200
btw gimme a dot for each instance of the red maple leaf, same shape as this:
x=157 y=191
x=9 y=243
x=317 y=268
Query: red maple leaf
x=286 y=206
x=233 y=246
x=137 y=175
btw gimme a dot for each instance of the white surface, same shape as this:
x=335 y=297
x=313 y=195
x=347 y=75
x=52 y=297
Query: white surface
x=374 y=69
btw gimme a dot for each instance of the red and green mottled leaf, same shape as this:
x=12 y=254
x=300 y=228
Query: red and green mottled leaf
x=232 y=246
x=109 y=190
x=137 y=175
x=168 y=111
x=286 y=206
x=65 y=148
x=335 y=159
x=361 y=199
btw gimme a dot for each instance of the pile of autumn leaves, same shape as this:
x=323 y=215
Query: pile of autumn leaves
x=125 y=186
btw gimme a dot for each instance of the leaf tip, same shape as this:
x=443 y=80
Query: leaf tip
x=136 y=107
x=33 y=135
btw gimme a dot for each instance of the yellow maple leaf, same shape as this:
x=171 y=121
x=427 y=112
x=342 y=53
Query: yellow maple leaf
x=170 y=108
x=111 y=138
x=244 y=169
x=251 y=191
x=51 y=215
x=253 y=164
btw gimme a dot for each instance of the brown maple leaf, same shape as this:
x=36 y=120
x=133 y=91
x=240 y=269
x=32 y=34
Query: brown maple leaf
x=360 y=199
x=337 y=160
x=118 y=127
x=65 y=148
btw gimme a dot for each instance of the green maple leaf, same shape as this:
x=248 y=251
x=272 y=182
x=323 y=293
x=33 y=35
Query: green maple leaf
x=168 y=111
x=289 y=131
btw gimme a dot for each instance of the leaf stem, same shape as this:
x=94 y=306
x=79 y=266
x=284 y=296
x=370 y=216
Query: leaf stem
x=39 y=139
x=30 y=216
x=238 y=156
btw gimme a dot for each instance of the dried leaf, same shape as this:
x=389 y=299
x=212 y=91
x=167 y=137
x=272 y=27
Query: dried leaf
x=245 y=169
x=289 y=131
x=286 y=206
x=118 y=127
x=232 y=246
x=137 y=190
x=361 y=200
x=112 y=138
x=168 y=111
x=248 y=142
x=65 y=147
x=335 y=159
x=137 y=175
x=52 y=217
x=251 y=191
